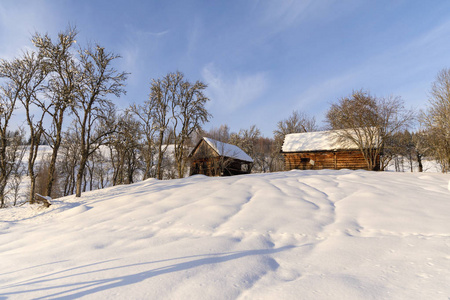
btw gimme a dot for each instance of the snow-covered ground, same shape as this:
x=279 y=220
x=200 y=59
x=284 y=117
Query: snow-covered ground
x=289 y=235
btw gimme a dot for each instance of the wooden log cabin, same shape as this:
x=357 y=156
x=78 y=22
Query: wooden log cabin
x=321 y=150
x=213 y=158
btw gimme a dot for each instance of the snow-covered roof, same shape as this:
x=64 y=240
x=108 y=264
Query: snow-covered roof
x=228 y=150
x=315 y=141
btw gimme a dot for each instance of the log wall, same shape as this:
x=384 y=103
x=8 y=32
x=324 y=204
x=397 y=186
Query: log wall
x=350 y=159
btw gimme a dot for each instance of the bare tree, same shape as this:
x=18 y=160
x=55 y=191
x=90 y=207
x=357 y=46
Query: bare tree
x=29 y=72
x=99 y=80
x=409 y=146
x=297 y=122
x=9 y=96
x=399 y=149
x=188 y=115
x=162 y=94
x=124 y=149
x=10 y=163
x=221 y=134
x=148 y=127
x=246 y=140
x=178 y=110
x=262 y=155
x=437 y=119
x=69 y=159
x=16 y=151
x=368 y=122
x=101 y=169
x=64 y=78
x=421 y=147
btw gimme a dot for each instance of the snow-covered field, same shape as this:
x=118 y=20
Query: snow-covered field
x=288 y=235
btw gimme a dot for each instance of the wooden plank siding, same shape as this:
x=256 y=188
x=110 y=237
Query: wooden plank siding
x=316 y=160
x=203 y=150
x=215 y=166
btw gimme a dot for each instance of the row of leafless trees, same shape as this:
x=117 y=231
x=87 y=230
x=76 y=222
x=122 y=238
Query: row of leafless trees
x=65 y=93
x=49 y=83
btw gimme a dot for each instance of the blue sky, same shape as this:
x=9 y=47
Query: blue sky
x=260 y=59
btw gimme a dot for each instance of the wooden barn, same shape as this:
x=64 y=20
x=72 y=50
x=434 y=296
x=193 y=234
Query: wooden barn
x=213 y=158
x=321 y=150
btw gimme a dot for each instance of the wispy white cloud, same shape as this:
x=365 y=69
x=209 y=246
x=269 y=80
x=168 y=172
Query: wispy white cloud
x=159 y=34
x=430 y=37
x=143 y=34
x=193 y=35
x=231 y=92
x=286 y=12
x=281 y=15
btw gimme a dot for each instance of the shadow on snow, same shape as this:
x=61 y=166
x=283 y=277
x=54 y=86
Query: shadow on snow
x=83 y=288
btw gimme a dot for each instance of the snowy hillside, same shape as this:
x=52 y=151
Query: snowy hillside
x=289 y=235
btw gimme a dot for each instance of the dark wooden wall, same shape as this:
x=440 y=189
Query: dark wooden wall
x=206 y=161
x=348 y=159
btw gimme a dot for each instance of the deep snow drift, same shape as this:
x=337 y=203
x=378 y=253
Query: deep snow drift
x=289 y=235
